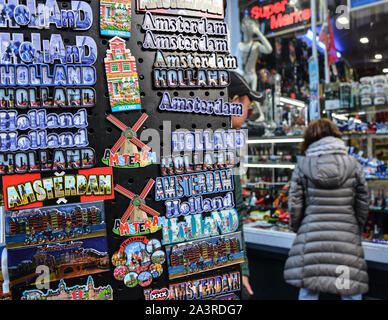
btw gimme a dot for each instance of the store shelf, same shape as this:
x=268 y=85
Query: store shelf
x=364 y=136
x=360 y=110
x=275 y=139
x=374 y=252
x=269 y=165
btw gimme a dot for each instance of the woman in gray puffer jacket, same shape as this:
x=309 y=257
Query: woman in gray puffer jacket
x=328 y=208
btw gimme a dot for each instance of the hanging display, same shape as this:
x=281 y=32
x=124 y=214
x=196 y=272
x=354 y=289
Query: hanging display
x=63 y=259
x=203 y=255
x=54 y=223
x=46 y=160
x=38 y=189
x=138 y=261
x=115 y=18
x=122 y=78
x=63 y=291
x=204 y=288
x=198 y=226
x=125 y=153
x=211 y=9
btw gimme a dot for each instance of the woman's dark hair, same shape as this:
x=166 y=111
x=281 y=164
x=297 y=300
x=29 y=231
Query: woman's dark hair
x=316 y=130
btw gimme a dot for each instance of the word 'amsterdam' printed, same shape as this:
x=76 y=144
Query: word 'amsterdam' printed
x=199 y=289
x=32 y=190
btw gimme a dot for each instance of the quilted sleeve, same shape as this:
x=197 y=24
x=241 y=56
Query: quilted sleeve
x=296 y=202
x=362 y=198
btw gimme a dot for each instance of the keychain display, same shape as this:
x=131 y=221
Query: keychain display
x=198 y=106
x=188 y=185
x=63 y=291
x=115 y=18
x=46 y=160
x=193 y=227
x=47 y=225
x=205 y=288
x=197 y=8
x=203 y=255
x=209 y=140
x=38 y=189
x=122 y=78
x=64 y=260
x=138 y=261
x=125 y=153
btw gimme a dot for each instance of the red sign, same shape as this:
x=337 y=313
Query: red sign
x=280 y=14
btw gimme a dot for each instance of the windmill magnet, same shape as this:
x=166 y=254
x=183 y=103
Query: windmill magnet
x=125 y=153
x=115 y=18
x=122 y=77
x=135 y=220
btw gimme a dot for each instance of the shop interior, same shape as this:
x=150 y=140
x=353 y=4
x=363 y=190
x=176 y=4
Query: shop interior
x=350 y=87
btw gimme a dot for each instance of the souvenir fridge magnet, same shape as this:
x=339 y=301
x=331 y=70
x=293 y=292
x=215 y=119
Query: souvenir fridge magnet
x=203 y=255
x=211 y=288
x=115 y=18
x=35 y=190
x=122 y=77
x=64 y=259
x=63 y=291
x=138 y=261
x=125 y=153
x=51 y=224
x=135 y=220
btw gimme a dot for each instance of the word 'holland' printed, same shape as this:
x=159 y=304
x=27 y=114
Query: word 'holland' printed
x=43 y=98
x=195 y=162
x=194 y=227
x=197 y=289
x=184 y=25
x=40 y=119
x=15 y=50
x=199 y=140
x=14 y=15
x=31 y=190
x=176 y=208
x=47 y=160
x=193 y=184
x=196 y=105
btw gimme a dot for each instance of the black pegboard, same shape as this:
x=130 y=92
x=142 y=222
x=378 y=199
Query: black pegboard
x=102 y=134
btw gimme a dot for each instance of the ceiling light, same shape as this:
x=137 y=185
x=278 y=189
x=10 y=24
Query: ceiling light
x=385 y=70
x=343 y=20
x=378 y=56
x=364 y=40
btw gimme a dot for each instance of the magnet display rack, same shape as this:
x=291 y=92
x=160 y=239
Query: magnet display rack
x=102 y=135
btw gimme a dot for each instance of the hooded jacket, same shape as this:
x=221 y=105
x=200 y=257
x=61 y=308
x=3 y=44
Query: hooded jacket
x=328 y=207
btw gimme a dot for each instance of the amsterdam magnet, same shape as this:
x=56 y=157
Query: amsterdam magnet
x=64 y=260
x=122 y=77
x=55 y=223
x=137 y=210
x=125 y=153
x=199 y=289
x=115 y=18
x=137 y=267
x=88 y=291
x=40 y=189
x=204 y=255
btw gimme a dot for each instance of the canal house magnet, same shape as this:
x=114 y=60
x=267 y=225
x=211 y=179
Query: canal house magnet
x=115 y=18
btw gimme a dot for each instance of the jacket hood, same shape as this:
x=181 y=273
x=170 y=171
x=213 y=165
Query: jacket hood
x=327 y=163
